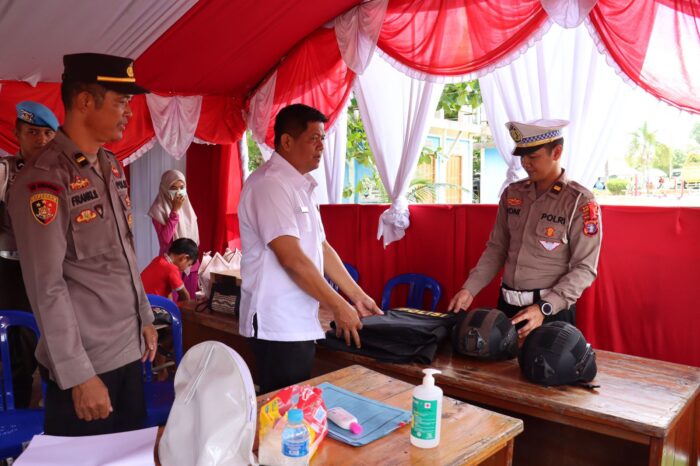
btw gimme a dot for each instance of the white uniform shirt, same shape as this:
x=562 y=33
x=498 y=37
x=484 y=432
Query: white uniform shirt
x=277 y=201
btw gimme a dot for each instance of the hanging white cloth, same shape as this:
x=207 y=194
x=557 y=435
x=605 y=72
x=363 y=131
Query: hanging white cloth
x=258 y=118
x=145 y=180
x=396 y=110
x=568 y=13
x=563 y=77
x=333 y=165
x=174 y=121
x=357 y=32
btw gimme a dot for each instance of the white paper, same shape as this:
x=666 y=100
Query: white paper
x=134 y=448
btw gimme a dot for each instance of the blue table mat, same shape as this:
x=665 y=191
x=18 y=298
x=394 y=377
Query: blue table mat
x=376 y=418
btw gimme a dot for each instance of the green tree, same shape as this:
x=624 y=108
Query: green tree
x=454 y=96
x=663 y=158
x=642 y=148
x=695 y=133
x=679 y=158
x=255 y=158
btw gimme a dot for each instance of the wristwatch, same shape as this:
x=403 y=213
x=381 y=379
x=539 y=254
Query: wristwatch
x=546 y=308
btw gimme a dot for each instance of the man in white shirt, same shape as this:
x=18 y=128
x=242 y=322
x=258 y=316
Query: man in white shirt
x=285 y=255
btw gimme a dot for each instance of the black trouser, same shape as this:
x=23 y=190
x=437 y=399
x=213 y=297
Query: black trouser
x=565 y=315
x=22 y=340
x=281 y=363
x=125 y=386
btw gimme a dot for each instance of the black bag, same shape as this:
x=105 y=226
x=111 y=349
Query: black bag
x=225 y=297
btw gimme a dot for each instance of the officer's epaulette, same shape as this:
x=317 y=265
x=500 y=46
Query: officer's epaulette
x=557 y=187
x=81 y=160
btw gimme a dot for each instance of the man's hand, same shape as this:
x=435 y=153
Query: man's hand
x=150 y=338
x=366 y=306
x=177 y=202
x=534 y=318
x=91 y=400
x=461 y=301
x=347 y=323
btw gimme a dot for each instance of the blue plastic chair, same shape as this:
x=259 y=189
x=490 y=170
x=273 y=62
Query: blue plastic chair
x=17 y=426
x=353 y=273
x=417 y=286
x=160 y=395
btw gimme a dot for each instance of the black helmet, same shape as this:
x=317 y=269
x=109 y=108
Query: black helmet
x=485 y=334
x=556 y=353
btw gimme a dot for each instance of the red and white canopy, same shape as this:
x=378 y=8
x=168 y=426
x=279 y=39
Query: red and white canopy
x=222 y=52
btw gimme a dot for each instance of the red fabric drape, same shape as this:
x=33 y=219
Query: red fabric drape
x=642 y=302
x=11 y=93
x=314 y=74
x=214 y=186
x=656 y=44
x=220 y=120
x=456 y=37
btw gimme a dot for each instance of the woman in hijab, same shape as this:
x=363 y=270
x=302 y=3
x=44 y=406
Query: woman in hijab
x=173 y=218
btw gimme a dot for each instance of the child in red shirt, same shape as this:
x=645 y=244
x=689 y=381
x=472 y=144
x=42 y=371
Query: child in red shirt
x=163 y=276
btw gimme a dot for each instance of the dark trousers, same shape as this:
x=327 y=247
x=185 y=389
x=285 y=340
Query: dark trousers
x=125 y=386
x=565 y=315
x=22 y=340
x=282 y=363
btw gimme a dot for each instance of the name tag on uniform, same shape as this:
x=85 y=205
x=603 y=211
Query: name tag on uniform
x=303 y=209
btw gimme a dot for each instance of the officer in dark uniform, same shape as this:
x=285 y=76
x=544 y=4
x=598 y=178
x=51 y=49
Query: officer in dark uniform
x=35 y=127
x=72 y=220
x=547 y=236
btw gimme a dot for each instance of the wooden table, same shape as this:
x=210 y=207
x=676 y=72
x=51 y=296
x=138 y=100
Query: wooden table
x=645 y=412
x=470 y=435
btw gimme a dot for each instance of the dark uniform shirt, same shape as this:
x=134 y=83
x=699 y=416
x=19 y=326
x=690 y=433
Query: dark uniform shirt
x=546 y=242
x=72 y=223
x=9 y=168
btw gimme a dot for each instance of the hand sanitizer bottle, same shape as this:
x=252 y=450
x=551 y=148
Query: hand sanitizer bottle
x=427 y=412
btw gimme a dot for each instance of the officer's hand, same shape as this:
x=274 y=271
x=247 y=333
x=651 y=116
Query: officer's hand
x=347 y=323
x=366 y=306
x=91 y=400
x=178 y=201
x=534 y=318
x=461 y=301
x=150 y=338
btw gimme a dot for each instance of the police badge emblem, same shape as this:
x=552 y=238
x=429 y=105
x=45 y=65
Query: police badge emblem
x=515 y=133
x=44 y=207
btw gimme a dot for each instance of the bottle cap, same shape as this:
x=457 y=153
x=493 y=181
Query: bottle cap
x=355 y=428
x=295 y=415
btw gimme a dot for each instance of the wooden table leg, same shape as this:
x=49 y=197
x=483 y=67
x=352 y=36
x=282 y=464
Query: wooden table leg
x=503 y=457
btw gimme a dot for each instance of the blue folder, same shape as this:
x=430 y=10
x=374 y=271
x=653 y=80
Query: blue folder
x=377 y=419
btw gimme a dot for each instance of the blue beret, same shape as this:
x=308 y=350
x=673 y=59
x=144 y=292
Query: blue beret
x=36 y=114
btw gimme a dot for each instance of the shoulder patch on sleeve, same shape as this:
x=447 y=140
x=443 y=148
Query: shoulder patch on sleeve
x=44 y=206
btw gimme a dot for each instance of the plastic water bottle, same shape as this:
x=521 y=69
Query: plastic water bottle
x=295 y=439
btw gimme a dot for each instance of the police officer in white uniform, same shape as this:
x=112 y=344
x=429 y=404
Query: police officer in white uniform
x=286 y=254
x=547 y=235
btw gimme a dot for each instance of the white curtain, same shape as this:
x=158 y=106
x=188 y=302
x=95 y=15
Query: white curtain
x=568 y=13
x=260 y=114
x=565 y=77
x=174 y=121
x=357 y=32
x=145 y=179
x=333 y=166
x=395 y=110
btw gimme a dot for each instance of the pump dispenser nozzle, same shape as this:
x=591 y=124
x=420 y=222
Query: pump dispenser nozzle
x=428 y=379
